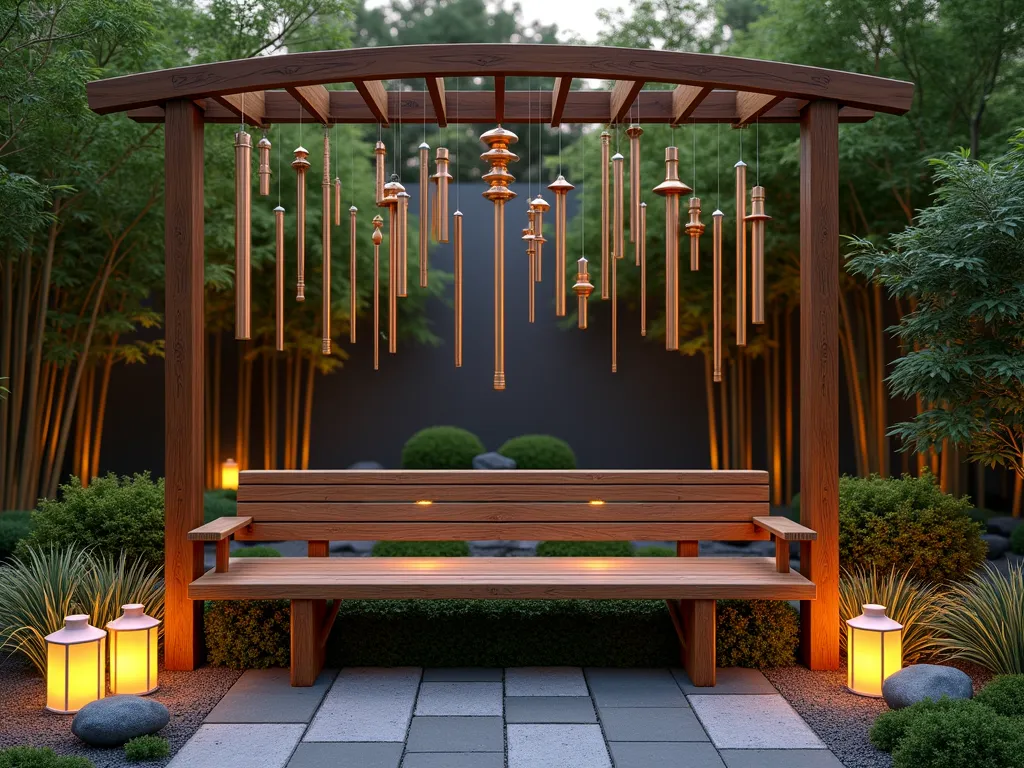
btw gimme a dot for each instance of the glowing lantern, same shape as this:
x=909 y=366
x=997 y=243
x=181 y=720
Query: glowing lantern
x=133 y=668
x=874 y=650
x=76 y=670
x=229 y=475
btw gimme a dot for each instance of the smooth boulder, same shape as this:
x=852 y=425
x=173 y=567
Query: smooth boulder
x=997 y=545
x=112 y=721
x=925 y=681
x=1003 y=525
x=492 y=460
x=367 y=465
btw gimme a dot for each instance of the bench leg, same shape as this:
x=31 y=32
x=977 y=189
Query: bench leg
x=307 y=650
x=698 y=619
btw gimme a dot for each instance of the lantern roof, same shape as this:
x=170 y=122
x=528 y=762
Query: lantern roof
x=76 y=629
x=874 y=620
x=134 y=618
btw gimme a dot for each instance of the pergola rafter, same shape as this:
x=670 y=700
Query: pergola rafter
x=708 y=89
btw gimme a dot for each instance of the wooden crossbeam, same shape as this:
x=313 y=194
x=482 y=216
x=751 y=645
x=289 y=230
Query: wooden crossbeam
x=685 y=99
x=250 y=106
x=750 y=106
x=499 y=98
x=315 y=99
x=435 y=85
x=622 y=97
x=376 y=98
x=559 y=93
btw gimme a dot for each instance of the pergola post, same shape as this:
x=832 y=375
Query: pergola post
x=819 y=378
x=183 y=382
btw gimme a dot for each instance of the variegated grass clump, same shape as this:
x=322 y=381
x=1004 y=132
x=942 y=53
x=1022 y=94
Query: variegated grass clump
x=907 y=600
x=42 y=586
x=981 y=620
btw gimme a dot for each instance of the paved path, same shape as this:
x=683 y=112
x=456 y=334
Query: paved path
x=523 y=717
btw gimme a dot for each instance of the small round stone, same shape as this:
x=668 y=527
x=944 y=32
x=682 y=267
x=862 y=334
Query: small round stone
x=112 y=721
x=925 y=681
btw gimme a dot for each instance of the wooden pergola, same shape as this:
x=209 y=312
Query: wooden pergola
x=708 y=89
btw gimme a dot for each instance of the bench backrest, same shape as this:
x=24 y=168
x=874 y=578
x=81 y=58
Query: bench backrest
x=474 y=505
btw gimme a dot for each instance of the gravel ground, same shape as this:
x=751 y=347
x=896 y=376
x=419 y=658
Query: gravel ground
x=188 y=695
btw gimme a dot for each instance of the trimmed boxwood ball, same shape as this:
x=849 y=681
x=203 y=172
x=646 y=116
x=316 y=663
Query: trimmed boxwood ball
x=539 y=452
x=756 y=633
x=421 y=549
x=39 y=757
x=1005 y=695
x=892 y=725
x=441 y=448
x=584 y=549
x=961 y=737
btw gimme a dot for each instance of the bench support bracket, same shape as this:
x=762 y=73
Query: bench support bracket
x=695 y=623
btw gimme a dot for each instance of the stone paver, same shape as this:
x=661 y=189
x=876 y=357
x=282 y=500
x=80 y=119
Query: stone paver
x=367 y=704
x=753 y=722
x=454 y=760
x=549 y=709
x=651 y=724
x=346 y=755
x=545 y=681
x=653 y=754
x=556 y=746
x=728 y=680
x=233 y=746
x=462 y=675
x=634 y=688
x=780 y=758
x=459 y=699
x=456 y=734
x=266 y=696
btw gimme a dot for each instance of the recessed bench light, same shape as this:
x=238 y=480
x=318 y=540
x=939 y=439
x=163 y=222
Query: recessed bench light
x=596 y=503
x=424 y=503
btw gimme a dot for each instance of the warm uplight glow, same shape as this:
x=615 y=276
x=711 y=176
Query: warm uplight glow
x=424 y=503
x=133 y=638
x=596 y=503
x=75 y=665
x=426 y=563
x=602 y=564
x=229 y=475
x=874 y=650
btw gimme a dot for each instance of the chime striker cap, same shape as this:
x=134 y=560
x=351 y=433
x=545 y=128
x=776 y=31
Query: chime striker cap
x=672 y=187
x=634 y=130
x=424 y=145
x=560 y=185
x=353 y=209
x=540 y=204
x=279 y=208
x=740 y=164
x=498 y=135
x=717 y=213
x=617 y=156
x=264 y=142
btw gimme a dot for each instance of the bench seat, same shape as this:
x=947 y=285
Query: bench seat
x=296 y=578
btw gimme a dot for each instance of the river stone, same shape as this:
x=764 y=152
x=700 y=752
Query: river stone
x=493 y=460
x=112 y=721
x=367 y=465
x=1004 y=526
x=997 y=545
x=925 y=681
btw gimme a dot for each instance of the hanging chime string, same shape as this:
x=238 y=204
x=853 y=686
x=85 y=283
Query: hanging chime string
x=529 y=140
x=719 y=206
x=458 y=184
x=583 y=200
x=757 y=152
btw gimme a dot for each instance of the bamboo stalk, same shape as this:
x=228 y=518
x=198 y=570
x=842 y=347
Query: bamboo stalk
x=709 y=396
x=307 y=416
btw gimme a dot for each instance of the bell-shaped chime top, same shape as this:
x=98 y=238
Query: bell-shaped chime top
x=560 y=185
x=539 y=206
x=694 y=227
x=634 y=131
x=757 y=205
x=300 y=163
x=498 y=141
x=391 y=191
x=583 y=287
x=672 y=184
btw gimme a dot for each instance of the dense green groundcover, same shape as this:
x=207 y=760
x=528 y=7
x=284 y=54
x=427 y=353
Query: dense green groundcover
x=36 y=757
x=143 y=748
x=421 y=549
x=15 y=525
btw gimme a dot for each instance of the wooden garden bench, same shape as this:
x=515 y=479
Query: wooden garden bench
x=408 y=505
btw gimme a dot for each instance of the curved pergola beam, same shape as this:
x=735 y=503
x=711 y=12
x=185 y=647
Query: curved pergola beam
x=362 y=65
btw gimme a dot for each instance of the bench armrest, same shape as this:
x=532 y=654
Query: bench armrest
x=221 y=528
x=785 y=529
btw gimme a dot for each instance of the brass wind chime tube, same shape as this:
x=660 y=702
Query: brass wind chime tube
x=243 y=234
x=435 y=209
x=561 y=188
x=634 y=132
x=694 y=228
x=605 y=224
x=741 y=254
x=672 y=189
x=380 y=153
x=618 y=195
x=403 y=243
x=337 y=201
x=392 y=203
x=263 y=145
x=301 y=165
x=424 y=210
x=531 y=255
x=352 y=294
x=443 y=177
x=378 y=222
x=540 y=206
x=498 y=192
x=457 y=247
x=615 y=313
x=325 y=225
x=757 y=218
x=641 y=252
x=279 y=257
x=583 y=288
x=716 y=272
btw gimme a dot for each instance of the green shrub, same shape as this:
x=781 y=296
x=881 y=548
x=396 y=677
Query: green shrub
x=907 y=523
x=219 y=503
x=146 y=748
x=961 y=737
x=113 y=515
x=892 y=725
x=982 y=620
x=1017 y=540
x=539 y=452
x=1005 y=695
x=441 y=448
x=584 y=549
x=907 y=601
x=756 y=633
x=39 y=757
x=654 y=552
x=14 y=526
x=421 y=549
x=259 y=550
x=248 y=634
x=41 y=587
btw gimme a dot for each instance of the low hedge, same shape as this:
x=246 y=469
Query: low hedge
x=39 y=757
x=421 y=549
